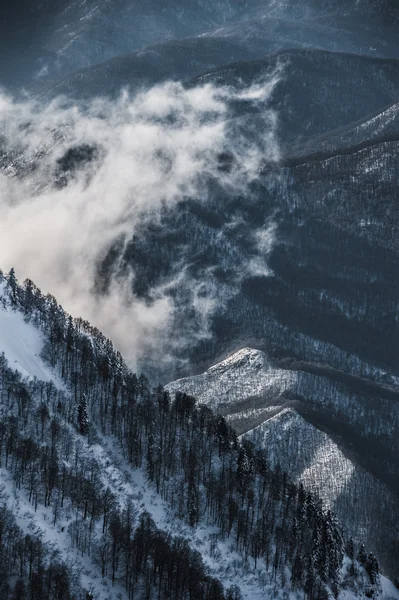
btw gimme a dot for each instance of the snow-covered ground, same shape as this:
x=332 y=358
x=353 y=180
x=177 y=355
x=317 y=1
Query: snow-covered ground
x=246 y=373
x=132 y=484
x=270 y=420
x=310 y=454
x=41 y=523
x=242 y=375
x=219 y=556
x=22 y=344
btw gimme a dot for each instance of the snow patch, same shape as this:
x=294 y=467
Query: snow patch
x=22 y=344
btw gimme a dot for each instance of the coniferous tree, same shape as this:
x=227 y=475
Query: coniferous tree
x=350 y=548
x=372 y=568
x=83 y=416
x=361 y=555
x=12 y=284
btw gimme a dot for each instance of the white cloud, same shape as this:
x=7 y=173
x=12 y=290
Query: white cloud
x=153 y=150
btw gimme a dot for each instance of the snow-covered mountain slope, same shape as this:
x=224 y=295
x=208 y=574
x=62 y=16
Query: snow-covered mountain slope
x=249 y=379
x=306 y=451
x=76 y=476
x=54 y=526
x=22 y=344
x=312 y=457
x=243 y=375
x=285 y=411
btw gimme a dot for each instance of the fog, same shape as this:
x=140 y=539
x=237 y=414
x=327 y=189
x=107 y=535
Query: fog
x=60 y=216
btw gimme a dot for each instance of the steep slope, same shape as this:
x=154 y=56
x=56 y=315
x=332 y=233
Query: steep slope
x=302 y=421
x=91 y=486
x=22 y=344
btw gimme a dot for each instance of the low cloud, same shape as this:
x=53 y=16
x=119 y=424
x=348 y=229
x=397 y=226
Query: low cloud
x=76 y=180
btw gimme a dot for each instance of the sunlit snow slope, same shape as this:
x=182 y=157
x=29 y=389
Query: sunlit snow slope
x=282 y=411
x=22 y=345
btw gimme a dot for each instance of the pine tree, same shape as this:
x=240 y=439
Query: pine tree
x=28 y=296
x=12 y=284
x=350 y=548
x=372 y=568
x=361 y=555
x=83 y=417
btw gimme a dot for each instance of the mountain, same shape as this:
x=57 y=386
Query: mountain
x=109 y=486
x=300 y=263
x=323 y=311
x=375 y=128
x=302 y=71
x=296 y=417
x=213 y=185
x=309 y=97
x=51 y=38
x=344 y=299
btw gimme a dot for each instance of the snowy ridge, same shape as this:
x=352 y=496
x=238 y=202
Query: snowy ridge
x=324 y=468
x=259 y=400
x=313 y=458
x=244 y=358
x=244 y=374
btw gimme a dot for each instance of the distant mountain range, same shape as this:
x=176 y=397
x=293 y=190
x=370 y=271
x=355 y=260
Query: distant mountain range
x=52 y=38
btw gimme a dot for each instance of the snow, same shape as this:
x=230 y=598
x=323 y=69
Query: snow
x=244 y=374
x=219 y=556
x=389 y=591
x=128 y=483
x=310 y=454
x=257 y=398
x=40 y=523
x=22 y=344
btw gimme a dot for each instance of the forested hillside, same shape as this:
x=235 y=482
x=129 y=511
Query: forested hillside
x=338 y=436
x=71 y=530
